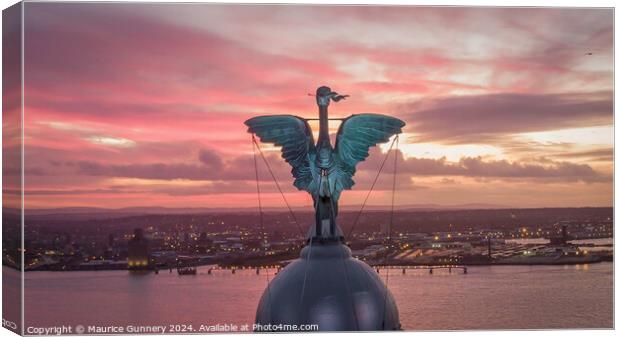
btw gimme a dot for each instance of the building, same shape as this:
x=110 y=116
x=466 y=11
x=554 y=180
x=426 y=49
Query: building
x=138 y=251
x=562 y=239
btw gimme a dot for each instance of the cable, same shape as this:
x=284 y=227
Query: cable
x=278 y=186
x=262 y=224
x=370 y=190
x=389 y=236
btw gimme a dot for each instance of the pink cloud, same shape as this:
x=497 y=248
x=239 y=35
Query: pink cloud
x=113 y=90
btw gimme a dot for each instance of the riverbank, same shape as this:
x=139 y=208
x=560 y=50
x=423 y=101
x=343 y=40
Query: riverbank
x=526 y=261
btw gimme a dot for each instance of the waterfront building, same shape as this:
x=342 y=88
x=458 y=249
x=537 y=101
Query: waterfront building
x=138 y=251
x=562 y=239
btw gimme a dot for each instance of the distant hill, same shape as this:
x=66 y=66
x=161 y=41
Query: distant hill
x=420 y=219
x=84 y=213
x=195 y=210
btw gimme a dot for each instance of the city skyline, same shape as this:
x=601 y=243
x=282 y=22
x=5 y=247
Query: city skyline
x=145 y=107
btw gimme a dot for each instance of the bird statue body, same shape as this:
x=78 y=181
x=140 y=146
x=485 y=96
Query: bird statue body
x=318 y=168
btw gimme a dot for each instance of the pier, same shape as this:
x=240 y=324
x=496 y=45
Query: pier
x=233 y=270
x=429 y=268
x=403 y=269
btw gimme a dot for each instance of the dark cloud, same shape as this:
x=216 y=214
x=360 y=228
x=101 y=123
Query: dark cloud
x=230 y=171
x=211 y=165
x=482 y=118
x=146 y=171
x=477 y=167
x=211 y=159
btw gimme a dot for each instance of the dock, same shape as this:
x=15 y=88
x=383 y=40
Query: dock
x=430 y=268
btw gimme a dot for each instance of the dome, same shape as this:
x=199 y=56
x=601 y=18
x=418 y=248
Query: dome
x=327 y=287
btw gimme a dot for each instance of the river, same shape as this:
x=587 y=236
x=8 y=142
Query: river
x=487 y=297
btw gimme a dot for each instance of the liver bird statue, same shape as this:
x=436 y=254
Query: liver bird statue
x=320 y=169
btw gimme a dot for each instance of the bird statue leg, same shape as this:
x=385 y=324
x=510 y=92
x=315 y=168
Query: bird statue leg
x=326 y=209
x=325 y=220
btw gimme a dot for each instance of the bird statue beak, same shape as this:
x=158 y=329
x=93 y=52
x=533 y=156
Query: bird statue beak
x=335 y=97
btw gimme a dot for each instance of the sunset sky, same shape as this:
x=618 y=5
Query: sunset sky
x=143 y=104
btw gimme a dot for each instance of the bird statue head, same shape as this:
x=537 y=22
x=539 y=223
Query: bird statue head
x=325 y=94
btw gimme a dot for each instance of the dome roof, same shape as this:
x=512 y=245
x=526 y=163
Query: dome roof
x=326 y=286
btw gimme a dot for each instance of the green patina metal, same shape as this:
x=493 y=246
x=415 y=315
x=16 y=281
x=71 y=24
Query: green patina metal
x=319 y=168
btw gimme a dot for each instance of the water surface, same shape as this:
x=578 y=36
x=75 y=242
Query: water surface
x=488 y=297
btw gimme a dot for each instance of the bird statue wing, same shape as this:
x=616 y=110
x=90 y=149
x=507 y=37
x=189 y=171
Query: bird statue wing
x=294 y=135
x=356 y=135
